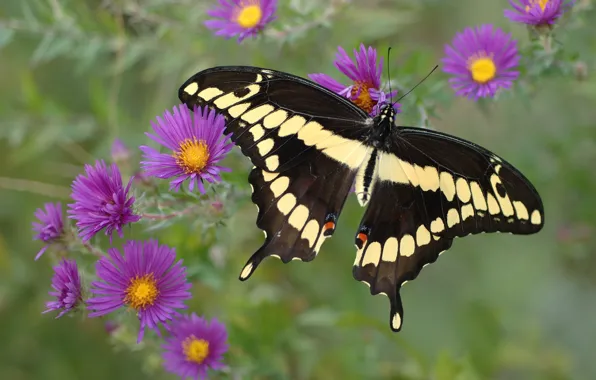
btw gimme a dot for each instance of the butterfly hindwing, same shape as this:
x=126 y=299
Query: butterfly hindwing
x=280 y=120
x=393 y=246
x=430 y=188
x=298 y=209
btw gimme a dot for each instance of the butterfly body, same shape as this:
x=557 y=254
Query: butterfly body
x=421 y=188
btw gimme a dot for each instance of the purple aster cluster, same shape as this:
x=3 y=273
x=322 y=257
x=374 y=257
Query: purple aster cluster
x=146 y=278
x=196 y=144
x=241 y=18
x=49 y=226
x=66 y=285
x=101 y=202
x=537 y=12
x=481 y=60
x=194 y=346
x=365 y=73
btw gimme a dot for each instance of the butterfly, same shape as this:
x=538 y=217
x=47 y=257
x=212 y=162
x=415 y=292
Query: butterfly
x=309 y=146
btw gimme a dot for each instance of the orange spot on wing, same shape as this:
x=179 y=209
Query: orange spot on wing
x=328 y=228
x=362 y=237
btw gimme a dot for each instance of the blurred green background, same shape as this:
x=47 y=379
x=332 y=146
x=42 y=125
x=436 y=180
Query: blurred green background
x=76 y=74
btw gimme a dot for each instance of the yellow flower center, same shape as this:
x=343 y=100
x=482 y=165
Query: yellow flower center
x=193 y=155
x=141 y=292
x=541 y=3
x=249 y=15
x=195 y=350
x=483 y=69
x=363 y=100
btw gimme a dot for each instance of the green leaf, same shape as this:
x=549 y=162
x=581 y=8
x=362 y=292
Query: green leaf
x=321 y=317
x=446 y=367
x=6 y=36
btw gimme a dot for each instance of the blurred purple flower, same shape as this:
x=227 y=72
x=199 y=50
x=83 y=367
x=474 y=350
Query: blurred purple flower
x=101 y=201
x=242 y=18
x=196 y=142
x=120 y=151
x=195 y=346
x=365 y=73
x=67 y=288
x=111 y=327
x=145 y=279
x=50 y=225
x=537 y=12
x=481 y=61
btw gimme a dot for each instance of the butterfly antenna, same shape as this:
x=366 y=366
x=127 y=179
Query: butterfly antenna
x=389 y=71
x=418 y=84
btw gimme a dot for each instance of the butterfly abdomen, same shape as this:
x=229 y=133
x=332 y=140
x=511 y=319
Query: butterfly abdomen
x=365 y=178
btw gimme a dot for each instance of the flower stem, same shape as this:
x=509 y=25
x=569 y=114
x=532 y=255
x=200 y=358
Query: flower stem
x=35 y=187
x=174 y=214
x=93 y=250
x=326 y=16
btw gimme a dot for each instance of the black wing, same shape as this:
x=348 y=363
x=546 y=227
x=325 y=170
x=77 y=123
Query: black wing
x=298 y=209
x=430 y=188
x=306 y=144
x=280 y=120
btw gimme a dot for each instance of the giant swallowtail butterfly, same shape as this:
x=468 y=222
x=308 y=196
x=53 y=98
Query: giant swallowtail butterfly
x=422 y=188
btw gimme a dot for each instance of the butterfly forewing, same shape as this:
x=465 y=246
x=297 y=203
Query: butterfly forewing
x=280 y=120
x=306 y=144
x=430 y=188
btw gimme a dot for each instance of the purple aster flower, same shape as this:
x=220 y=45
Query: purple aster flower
x=145 y=279
x=67 y=288
x=242 y=18
x=120 y=151
x=196 y=142
x=50 y=226
x=365 y=73
x=101 y=201
x=481 y=61
x=194 y=346
x=537 y=12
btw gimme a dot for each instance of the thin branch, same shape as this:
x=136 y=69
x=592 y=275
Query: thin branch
x=57 y=29
x=57 y=10
x=325 y=17
x=93 y=250
x=117 y=79
x=77 y=152
x=423 y=116
x=34 y=187
x=186 y=211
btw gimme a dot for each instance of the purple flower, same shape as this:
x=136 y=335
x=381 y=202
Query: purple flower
x=50 y=226
x=242 y=18
x=194 y=346
x=481 y=61
x=145 y=279
x=365 y=73
x=67 y=288
x=101 y=201
x=111 y=327
x=537 y=12
x=119 y=151
x=196 y=142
